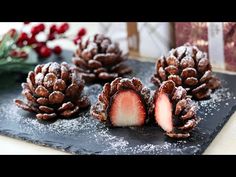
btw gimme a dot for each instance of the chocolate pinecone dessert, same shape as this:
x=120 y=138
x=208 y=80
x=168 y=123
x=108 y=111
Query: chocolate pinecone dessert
x=53 y=90
x=100 y=60
x=122 y=103
x=173 y=111
x=189 y=67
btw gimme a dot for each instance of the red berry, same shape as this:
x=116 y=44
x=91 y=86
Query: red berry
x=35 y=30
x=76 y=40
x=82 y=32
x=20 y=43
x=51 y=36
x=63 y=28
x=26 y=23
x=16 y=54
x=57 y=50
x=53 y=29
x=38 y=46
x=13 y=53
x=45 y=52
x=23 y=36
x=12 y=32
x=22 y=54
x=32 y=40
x=21 y=39
x=41 y=27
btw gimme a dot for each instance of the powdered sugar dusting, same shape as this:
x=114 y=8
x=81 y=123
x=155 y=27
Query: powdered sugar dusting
x=113 y=143
x=95 y=132
x=149 y=149
x=219 y=96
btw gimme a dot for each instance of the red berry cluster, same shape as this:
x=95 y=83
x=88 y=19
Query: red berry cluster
x=54 y=32
x=18 y=54
x=11 y=50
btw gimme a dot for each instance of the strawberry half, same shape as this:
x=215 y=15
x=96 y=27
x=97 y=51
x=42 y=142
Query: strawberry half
x=174 y=111
x=163 y=112
x=123 y=102
x=127 y=109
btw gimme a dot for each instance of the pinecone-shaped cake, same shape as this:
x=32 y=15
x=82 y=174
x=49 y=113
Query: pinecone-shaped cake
x=122 y=103
x=189 y=67
x=100 y=59
x=53 y=90
x=173 y=111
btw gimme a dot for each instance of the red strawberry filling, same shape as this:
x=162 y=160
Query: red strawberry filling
x=163 y=112
x=127 y=109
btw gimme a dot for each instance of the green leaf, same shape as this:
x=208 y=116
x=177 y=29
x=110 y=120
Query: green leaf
x=9 y=64
x=6 y=45
x=15 y=65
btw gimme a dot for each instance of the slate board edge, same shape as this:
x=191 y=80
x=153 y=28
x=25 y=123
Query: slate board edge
x=26 y=138
x=34 y=142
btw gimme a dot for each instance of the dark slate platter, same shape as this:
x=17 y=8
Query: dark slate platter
x=85 y=135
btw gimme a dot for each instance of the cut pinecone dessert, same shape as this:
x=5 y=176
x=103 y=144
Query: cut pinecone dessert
x=173 y=111
x=189 y=67
x=53 y=90
x=100 y=60
x=122 y=103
